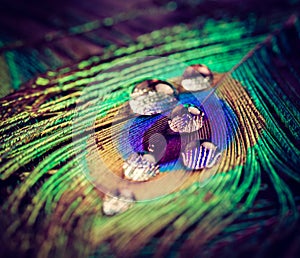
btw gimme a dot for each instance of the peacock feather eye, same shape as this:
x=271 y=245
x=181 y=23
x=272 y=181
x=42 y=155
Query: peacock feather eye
x=197 y=77
x=152 y=97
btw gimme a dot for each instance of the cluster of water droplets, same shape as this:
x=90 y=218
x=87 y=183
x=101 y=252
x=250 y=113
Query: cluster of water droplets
x=152 y=97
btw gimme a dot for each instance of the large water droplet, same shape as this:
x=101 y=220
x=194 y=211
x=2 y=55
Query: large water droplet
x=196 y=78
x=140 y=167
x=186 y=118
x=152 y=97
x=199 y=155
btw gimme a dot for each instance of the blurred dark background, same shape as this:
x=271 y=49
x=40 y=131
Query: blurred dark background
x=38 y=36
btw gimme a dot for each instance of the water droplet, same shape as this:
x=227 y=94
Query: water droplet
x=186 y=118
x=197 y=77
x=140 y=167
x=199 y=155
x=120 y=202
x=152 y=97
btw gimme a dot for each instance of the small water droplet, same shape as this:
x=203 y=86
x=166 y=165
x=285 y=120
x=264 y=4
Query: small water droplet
x=120 y=202
x=140 y=167
x=186 y=118
x=152 y=97
x=196 y=78
x=197 y=155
